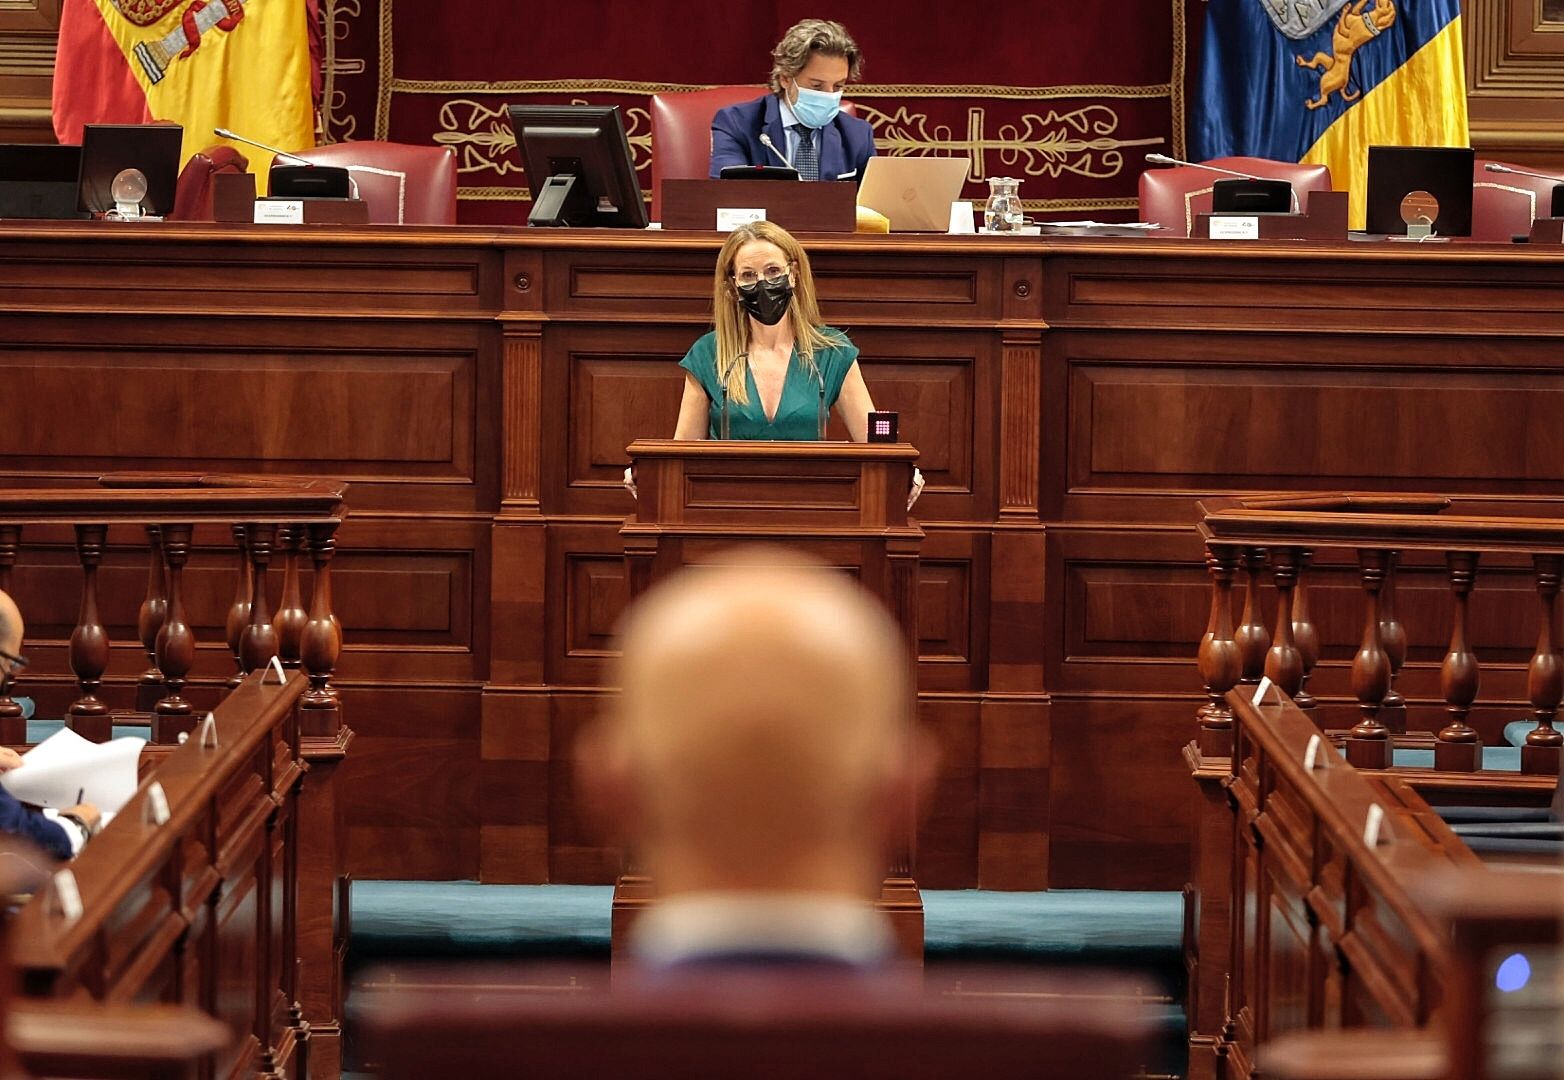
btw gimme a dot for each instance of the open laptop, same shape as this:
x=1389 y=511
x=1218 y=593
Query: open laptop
x=38 y=180
x=915 y=193
x=1445 y=172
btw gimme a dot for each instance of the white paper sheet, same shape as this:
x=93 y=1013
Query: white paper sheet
x=65 y=765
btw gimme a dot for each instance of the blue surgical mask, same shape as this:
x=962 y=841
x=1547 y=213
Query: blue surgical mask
x=816 y=108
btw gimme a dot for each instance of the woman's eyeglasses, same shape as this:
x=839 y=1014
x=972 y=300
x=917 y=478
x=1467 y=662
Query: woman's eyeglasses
x=11 y=663
x=748 y=279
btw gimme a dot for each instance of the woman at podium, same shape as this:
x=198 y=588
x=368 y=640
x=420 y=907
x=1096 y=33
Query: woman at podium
x=771 y=369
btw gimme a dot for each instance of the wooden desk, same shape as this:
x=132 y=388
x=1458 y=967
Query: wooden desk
x=1072 y=399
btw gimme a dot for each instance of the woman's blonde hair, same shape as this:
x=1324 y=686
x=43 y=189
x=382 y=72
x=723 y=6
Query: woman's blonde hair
x=805 y=39
x=732 y=322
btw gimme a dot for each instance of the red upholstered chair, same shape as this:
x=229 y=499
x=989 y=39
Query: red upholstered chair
x=1504 y=204
x=193 y=190
x=681 y=133
x=1172 y=197
x=403 y=184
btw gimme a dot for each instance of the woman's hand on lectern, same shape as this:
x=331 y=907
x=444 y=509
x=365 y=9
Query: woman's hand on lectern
x=630 y=482
x=917 y=486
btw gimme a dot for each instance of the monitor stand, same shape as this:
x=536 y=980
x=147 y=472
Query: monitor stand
x=562 y=201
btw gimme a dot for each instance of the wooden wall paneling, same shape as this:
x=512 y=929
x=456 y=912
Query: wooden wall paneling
x=948 y=830
x=579 y=850
x=585 y=594
x=28 y=29
x=1514 y=79
x=409 y=791
x=953 y=601
x=1014 y=791
x=1119 y=805
x=516 y=753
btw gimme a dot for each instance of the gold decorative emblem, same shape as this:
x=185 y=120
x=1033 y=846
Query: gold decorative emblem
x=145 y=12
x=1353 y=30
x=482 y=137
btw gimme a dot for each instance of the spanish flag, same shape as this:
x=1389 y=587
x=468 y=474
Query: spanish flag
x=1320 y=81
x=239 y=64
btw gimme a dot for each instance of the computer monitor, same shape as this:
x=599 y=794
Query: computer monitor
x=1445 y=172
x=38 y=180
x=1242 y=195
x=577 y=161
x=109 y=149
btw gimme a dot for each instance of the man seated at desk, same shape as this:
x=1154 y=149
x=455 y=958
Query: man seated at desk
x=61 y=834
x=801 y=119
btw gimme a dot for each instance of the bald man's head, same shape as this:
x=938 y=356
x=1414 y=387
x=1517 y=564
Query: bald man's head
x=763 y=730
x=10 y=625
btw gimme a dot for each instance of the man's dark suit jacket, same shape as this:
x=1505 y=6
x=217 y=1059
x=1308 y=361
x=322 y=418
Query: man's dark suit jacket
x=846 y=143
x=19 y=820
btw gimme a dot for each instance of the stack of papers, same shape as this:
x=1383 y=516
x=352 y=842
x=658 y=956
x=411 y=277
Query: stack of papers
x=66 y=769
x=1099 y=228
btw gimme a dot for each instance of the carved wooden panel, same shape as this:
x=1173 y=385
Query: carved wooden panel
x=1515 y=78
x=28 y=29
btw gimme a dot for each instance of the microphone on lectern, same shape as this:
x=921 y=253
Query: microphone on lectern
x=226 y=134
x=1163 y=159
x=765 y=140
x=1494 y=166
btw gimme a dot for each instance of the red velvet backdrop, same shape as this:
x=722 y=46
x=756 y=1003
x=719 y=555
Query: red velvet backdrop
x=1068 y=96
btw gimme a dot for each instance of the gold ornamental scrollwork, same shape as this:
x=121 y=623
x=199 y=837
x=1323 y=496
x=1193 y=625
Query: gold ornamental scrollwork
x=482 y=138
x=1081 y=141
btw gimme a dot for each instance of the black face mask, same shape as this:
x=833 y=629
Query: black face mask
x=767 y=301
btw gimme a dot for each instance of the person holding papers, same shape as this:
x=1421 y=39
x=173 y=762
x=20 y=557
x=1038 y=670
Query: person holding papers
x=800 y=123
x=771 y=369
x=60 y=833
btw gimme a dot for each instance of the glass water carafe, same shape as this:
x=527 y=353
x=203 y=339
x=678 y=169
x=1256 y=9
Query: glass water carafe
x=1002 y=212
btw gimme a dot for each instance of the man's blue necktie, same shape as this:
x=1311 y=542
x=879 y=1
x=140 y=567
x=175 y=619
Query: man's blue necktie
x=806 y=159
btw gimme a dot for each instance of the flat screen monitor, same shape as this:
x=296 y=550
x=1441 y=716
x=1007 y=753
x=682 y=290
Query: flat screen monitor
x=109 y=149
x=1445 y=172
x=38 y=180
x=1244 y=196
x=578 y=164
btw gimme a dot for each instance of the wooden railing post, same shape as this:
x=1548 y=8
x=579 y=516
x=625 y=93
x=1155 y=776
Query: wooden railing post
x=321 y=643
x=1393 y=636
x=1545 y=676
x=239 y=610
x=149 y=620
x=13 y=727
x=89 y=650
x=1284 y=663
x=1254 y=640
x=1304 y=634
x=291 y=614
x=1368 y=743
x=175 y=642
x=258 y=642
x=1459 y=749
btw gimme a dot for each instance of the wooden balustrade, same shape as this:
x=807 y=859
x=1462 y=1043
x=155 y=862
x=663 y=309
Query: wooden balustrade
x=167 y=508
x=1380 y=530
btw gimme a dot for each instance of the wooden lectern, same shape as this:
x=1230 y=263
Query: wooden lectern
x=843 y=503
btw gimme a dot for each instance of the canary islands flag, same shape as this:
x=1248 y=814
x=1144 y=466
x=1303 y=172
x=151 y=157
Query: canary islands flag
x=239 y=64
x=1320 y=81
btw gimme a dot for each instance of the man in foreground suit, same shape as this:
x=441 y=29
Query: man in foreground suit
x=800 y=123
x=759 y=762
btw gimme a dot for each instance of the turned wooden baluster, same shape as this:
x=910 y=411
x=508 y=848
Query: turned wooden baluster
x=13 y=729
x=1368 y=743
x=291 y=615
x=258 y=643
x=1284 y=663
x=1459 y=749
x=239 y=610
x=321 y=642
x=1304 y=634
x=175 y=642
x=1393 y=638
x=1545 y=676
x=1254 y=640
x=89 y=651
x=149 y=621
